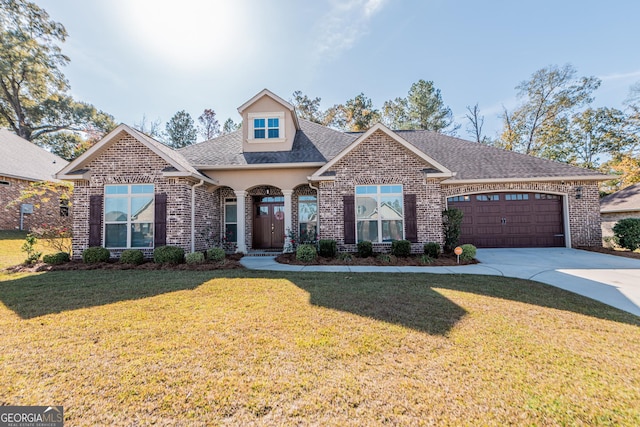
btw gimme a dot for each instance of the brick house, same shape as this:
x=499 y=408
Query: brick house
x=280 y=174
x=21 y=164
x=619 y=205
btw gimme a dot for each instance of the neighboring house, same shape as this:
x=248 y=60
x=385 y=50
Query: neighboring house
x=21 y=164
x=619 y=205
x=280 y=174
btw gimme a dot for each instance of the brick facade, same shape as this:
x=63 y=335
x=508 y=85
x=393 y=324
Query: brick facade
x=610 y=219
x=46 y=208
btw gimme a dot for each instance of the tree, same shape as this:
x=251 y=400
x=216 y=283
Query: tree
x=33 y=90
x=181 y=130
x=476 y=121
x=230 y=126
x=423 y=108
x=209 y=125
x=550 y=95
x=307 y=108
x=356 y=115
x=151 y=128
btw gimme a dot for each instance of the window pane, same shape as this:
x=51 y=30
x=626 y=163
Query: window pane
x=274 y=123
x=231 y=213
x=366 y=208
x=307 y=211
x=368 y=230
x=116 y=209
x=308 y=232
x=142 y=235
x=116 y=189
x=366 y=189
x=391 y=189
x=274 y=133
x=142 y=189
x=258 y=133
x=391 y=230
x=391 y=207
x=142 y=209
x=231 y=232
x=115 y=236
x=258 y=123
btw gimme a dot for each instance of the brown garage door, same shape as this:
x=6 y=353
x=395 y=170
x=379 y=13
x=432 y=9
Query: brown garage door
x=510 y=220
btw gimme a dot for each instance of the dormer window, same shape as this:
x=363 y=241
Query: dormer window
x=267 y=127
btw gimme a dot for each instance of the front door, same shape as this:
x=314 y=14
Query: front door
x=268 y=222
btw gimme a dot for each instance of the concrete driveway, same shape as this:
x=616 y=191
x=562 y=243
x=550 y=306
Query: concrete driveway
x=610 y=279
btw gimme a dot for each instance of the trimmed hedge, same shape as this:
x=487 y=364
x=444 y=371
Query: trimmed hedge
x=468 y=252
x=216 y=254
x=132 y=256
x=306 y=253
x=57 y=258
x=627 y=232
x=327 y=248
x=365 y=249
x=95 y=254
x=168 y=255
x=401 y=248
x=195 y=258
x=432 y=249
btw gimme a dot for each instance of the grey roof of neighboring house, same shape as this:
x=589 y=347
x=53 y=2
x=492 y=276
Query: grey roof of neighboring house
x=625 y=200
x=313 y=143
x=22 y=159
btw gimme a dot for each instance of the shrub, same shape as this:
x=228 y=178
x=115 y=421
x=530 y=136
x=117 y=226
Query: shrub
x=627 y=233
x=387 y=258
x=401 y=248
x=29 y=247
x=426 y=259
x=451 y=223
x=195 y=258
x=365 y=249
x=57 y=258
x=132 y=256
x=168 y=255
x=327 y=248
x=468 y=252
x=432 y=249
x=216 y=254
x=95 y=254
x=345 y=257
x=306 y=253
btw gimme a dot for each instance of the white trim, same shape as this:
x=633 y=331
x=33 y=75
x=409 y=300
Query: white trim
x=129 y=222
x=267 y=92
x=178 y=174
x=631 y=211
x=261 y=166
x=266 y=116
x=380 y=127
x=241 y=245
x=517 y=180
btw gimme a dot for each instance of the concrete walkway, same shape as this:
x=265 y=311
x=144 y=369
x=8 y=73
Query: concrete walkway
x=606 y=278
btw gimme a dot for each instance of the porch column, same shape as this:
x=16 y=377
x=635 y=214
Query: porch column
x=288 y=220
x=241 y=245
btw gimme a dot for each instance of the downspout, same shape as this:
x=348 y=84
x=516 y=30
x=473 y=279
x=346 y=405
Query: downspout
x=193 y=214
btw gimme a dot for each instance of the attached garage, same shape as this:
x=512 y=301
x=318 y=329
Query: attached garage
x=511 y=220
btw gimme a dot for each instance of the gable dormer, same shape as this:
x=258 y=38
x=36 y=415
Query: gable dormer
x=269 y=123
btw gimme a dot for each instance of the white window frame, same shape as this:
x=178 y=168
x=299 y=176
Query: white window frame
x=266 y=116
x=378 y=195
x=301 y=201
x=129 y=223
x=230 y=202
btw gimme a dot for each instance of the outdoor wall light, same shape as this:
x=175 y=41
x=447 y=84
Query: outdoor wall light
x=578 y=192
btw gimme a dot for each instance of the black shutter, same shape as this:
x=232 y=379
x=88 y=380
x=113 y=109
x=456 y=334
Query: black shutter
x=95 y=220
x=160 y=220
x=349 y=219
x=410 y=218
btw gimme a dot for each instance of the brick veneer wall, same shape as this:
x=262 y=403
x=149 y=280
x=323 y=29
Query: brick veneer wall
x=127 y=161
x=380 y=160
x=610 y=219
x=584 y=213
x=46 y=209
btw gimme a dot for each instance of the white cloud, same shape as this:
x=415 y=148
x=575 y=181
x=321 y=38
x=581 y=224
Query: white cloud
x=633 y=75
x=343 y=25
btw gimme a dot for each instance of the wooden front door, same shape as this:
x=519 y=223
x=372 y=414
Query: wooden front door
x=268 y=223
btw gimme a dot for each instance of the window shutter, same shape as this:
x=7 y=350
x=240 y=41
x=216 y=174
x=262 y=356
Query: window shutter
x=160 y=220
x=410 y=218
x=349 y=219
x=95 y=220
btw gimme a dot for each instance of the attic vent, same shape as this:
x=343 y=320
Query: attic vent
x=5 y=183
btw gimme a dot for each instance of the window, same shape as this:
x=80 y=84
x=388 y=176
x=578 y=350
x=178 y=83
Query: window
x=546 y=196
x=379 y=213
x=265 y=126
x=487 y=197
x=5 y=183
x=128 y=216
x=64 y=207
x=518 y=196
x=459 y=199
x=308 y=218
x=231 y=220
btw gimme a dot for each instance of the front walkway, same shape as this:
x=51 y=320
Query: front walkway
x=606 y=278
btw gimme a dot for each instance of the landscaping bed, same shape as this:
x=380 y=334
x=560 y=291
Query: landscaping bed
x=444 y=260
x=617 y=252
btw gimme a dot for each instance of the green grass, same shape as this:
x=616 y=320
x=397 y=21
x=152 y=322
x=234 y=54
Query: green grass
x=200 y=348
x=11 y=242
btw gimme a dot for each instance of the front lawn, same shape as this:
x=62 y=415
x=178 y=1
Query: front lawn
x=243 y=347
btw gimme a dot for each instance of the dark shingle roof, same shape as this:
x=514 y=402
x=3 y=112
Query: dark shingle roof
x=313 y=143
x=20 y=158
x=625 y=200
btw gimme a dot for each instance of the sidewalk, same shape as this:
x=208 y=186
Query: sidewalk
x=606 y=278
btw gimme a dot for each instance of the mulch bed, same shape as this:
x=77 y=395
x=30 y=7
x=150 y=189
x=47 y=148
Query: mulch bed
x=231 y=262
x=616 y=252
x=445 y=260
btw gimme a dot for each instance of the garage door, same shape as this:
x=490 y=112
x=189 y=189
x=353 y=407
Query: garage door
x=510 y=220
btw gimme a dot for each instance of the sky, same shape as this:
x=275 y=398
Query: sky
x=152 y=58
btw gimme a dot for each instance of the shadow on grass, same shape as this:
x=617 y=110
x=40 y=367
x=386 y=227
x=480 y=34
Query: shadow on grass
x=411 y=300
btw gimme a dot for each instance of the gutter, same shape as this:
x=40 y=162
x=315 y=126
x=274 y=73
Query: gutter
x=193 y=214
